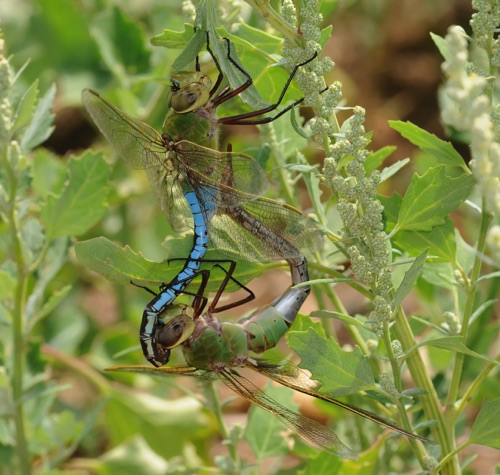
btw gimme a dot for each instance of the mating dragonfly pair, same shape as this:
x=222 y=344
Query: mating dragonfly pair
x=221 y=193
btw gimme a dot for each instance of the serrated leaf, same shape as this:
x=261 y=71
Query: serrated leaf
x=263 y=433
x=431 y=198
x=440 y=241
x=411 y=276
x=83 y=200
x=442 y=151
x=486 y=430
x=303 y=323
x=40 y=127
x=340 y=372
x=123 y=265
x=26 y=107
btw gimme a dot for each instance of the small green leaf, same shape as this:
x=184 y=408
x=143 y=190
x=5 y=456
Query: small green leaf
x=391 y=170
x=263 y=432
x=7 y=285
x=392 y=205
x=440 y=241
x=40 y=127
x=337 y=316
x=455 y=343
x=414 y=392
x=26 y=107
x=375 y=159
x=83 y=200
x=486 y=429
x=411 y=275
x=340 y=372
x=442 y=151
x=431 y=198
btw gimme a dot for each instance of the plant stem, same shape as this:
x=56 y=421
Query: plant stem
x=214 y=403
x=430 y=403
x=19 y=347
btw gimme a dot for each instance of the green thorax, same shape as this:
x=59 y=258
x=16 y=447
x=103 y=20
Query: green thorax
x=191 y=117
x=215 y=345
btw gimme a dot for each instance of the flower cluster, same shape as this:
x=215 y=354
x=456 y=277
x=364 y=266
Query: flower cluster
x=467 y=103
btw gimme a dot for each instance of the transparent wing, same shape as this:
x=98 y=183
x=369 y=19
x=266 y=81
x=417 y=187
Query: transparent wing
x=137 y=143
x=310 y=430
x=293 y=377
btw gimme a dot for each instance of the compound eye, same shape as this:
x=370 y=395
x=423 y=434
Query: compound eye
x=175 y=332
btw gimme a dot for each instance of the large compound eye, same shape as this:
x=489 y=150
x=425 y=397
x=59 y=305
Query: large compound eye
x=189 y=92
x=175 y=332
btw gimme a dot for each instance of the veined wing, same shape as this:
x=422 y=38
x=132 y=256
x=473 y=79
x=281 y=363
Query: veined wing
x=206 y=167
x=262 y=229
x=310 y=430
x=293 y=377
x=137 y=143
x=163 y=370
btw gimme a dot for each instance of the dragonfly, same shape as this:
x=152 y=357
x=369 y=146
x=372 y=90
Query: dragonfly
x=220 y=191
x=217 y=348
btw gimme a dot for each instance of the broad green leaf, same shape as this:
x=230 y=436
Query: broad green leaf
x=411 y=275
x=83 y=201
x=121 y=42
x=263 y=432
x=442 y=151
x=26 y=107
x=455 y=343
x=486 y=429
x=340 y=372
x=440 y=241
x=133 y=457
x=440 y=274
x=40 y=127
x=323 y=464
x=375 y=159
x=432 y=197
x=123 y=265
x=49 y=172
x=166 y=424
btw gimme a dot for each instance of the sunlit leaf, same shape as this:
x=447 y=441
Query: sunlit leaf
x=339 y=372
x=486 y=430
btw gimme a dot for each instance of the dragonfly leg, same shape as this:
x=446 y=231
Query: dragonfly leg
x=152 y=292
x=213 y=306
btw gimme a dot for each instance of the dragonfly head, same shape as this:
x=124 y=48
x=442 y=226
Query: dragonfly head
x=189 y=91
x=176 y=330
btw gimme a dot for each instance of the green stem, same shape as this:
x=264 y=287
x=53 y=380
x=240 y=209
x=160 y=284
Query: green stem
x=19 y=350
x=421 y=377
x=214 y=403
x=469 y=308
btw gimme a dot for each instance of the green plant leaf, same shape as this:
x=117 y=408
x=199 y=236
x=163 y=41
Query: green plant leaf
x=132 y=457
x=486 y=430
x=391 y=170
x=440 y=241
x=263 y=433
x=442 y=151
x=411 y=276
x=432 y=197
x=121 y=42
x=26 y=107
x=392 y=205
x=40 y=127
x=340 y=372
x=83 y=200
x=375 y=159
x=455 y=343
x=123 y=265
